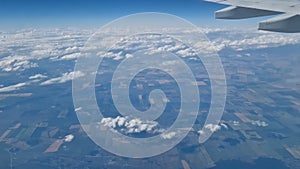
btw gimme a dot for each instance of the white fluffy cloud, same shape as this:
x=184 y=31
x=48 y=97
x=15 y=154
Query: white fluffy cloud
x=72 y=49
x=212 y=127
x=219 y=39
x=20 y=50
x=14 y=63
x=136 y=126
x=224 y=125
x=168 y=136
x=260 y=123
x=130 y=126
x=64 y=78
x=249 y=40
x=69 y=138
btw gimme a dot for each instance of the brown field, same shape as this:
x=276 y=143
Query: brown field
x=54 y=146
x=185 y=164
x=243 y=117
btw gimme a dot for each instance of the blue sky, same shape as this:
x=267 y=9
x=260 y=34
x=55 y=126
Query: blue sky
x=62 y=13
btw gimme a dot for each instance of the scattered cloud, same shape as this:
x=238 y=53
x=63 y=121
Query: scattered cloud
x=37 y=76
x=131 y=126
x=64 y=78
x=211 y=127
x=21 y=49
x=168 y=136
x=260 y=123
x=78 y=109
x=14 y=63
x=70 y=56
x=72 y=49
x=12 y=87
x=69 y=138
x=236 y=123
x=248 y=40
x=224 y=125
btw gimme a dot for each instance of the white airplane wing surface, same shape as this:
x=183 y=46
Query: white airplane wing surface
x=288 y=11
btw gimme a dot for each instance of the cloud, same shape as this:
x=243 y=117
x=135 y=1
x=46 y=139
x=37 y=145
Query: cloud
x=168 y=136
x=64 y=78
x=188 y=52
x=149 y=44
x=37 y=76
x=21 y=49
x=224 y=125
x=12 y=87
x=219 y=39
x=244 y=40
x=260 y=123
x=131 y=126
x=72 y=49
x=211 y=127
x=78 y=109
x=70 y=56
x=14 y=63
x=69 y=138
x=45 y=51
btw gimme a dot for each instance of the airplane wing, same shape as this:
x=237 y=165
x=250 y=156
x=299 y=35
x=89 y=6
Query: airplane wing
x=288 y=11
